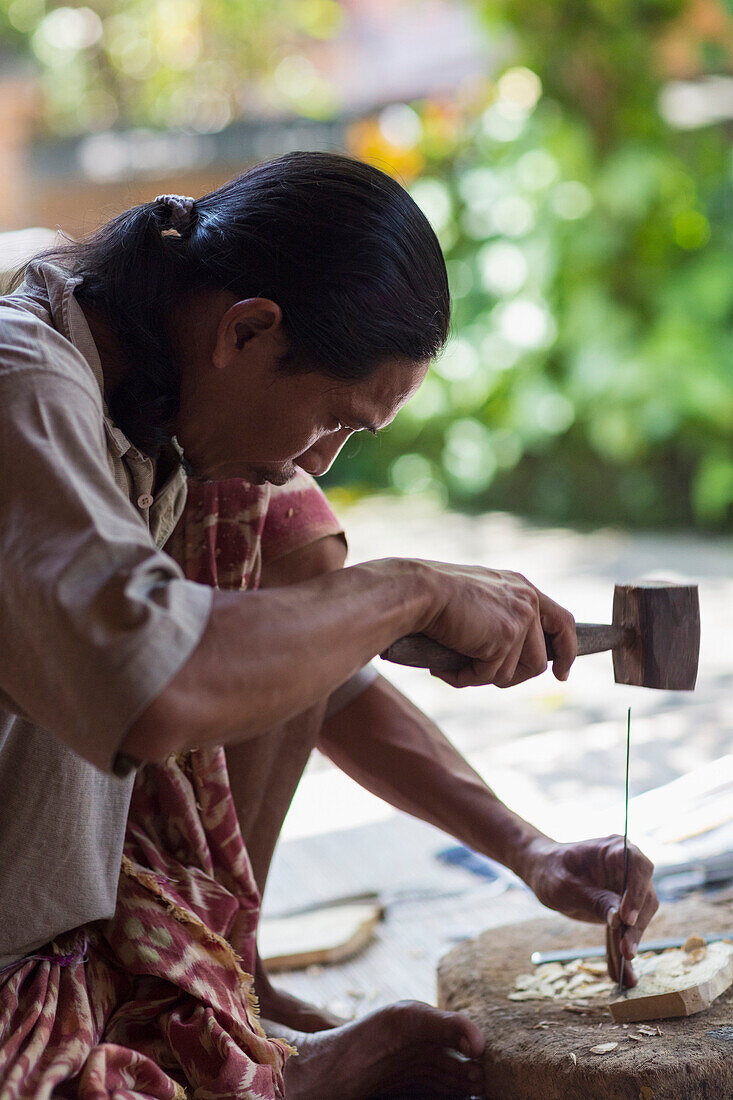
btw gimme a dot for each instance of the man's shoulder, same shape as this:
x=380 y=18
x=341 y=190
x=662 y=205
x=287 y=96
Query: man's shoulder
x=30 y=343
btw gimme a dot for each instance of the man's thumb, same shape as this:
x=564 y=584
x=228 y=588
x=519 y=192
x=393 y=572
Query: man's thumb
x=612 y=917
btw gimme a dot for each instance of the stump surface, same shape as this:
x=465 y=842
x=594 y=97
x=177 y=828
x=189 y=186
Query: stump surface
x=692 y=1059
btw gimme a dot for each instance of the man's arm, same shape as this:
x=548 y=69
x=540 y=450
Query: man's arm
x=393 y=750
x=267 y=655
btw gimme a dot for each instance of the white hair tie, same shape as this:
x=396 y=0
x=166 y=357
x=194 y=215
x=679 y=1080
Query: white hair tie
x=180 y=211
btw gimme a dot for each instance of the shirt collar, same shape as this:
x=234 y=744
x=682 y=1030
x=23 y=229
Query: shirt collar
x=66 y=314
x=57 y=287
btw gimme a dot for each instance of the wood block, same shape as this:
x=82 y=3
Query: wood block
x=675 y=984
x=326 y=935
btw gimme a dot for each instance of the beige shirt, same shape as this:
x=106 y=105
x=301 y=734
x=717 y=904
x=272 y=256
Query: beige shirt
x=94 y=619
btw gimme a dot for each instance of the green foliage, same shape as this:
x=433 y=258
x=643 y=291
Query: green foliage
x=162 y=63
x=588 y=243
x=590 y=377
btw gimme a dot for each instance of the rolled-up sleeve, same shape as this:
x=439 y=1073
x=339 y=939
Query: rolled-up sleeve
x=94 y=619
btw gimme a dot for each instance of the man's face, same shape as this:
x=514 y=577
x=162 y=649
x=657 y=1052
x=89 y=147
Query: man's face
x=242 y=416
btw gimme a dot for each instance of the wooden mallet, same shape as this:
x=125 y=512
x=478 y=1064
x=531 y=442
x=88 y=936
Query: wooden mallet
x=654 y=639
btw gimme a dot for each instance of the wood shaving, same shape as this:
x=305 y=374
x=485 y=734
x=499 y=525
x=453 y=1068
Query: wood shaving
x=647 y=1029
x=597 y=967
x=637 y=1038
x=595 y=989
x=524 y=981
x=578 y=978
x=603 y=1048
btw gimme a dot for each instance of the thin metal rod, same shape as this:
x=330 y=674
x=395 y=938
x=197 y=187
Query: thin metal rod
x=622 y=962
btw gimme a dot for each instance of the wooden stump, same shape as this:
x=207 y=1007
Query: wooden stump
x=692 y=1059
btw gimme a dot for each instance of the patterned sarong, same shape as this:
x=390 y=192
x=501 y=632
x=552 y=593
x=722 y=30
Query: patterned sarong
x=159 y=1002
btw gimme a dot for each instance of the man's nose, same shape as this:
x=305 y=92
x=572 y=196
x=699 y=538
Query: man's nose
x=319 y=458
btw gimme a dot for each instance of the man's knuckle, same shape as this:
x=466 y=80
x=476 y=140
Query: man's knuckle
x=526 y=611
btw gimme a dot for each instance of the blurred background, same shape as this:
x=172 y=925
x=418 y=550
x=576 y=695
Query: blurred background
x=576 y=160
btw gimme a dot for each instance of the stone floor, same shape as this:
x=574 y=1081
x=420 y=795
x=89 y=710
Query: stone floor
x=554 y=752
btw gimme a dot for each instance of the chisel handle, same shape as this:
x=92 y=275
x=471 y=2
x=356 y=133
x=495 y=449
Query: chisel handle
x=420 y=651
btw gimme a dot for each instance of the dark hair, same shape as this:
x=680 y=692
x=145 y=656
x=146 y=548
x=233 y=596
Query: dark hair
x=341 y=247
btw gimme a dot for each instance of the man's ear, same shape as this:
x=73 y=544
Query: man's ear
x=243 y=322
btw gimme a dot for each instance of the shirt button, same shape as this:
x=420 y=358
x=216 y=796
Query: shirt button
x=144 y=501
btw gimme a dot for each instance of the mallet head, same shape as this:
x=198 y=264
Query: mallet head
x=664 y=649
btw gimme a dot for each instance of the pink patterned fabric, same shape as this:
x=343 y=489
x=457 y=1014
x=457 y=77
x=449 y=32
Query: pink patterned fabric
x=158 y=1003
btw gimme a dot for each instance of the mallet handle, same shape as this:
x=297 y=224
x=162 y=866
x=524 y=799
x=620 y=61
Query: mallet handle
x=420 y=651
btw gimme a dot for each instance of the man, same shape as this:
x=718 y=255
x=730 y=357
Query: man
x=253 y=331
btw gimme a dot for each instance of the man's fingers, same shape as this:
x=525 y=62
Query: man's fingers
x=499 y=617
x=474 y=675
x=560 y=624
x=639 y=902
x=633 y=934
x=637 y=886
x=615 y=959
x=613 y=953
x=533 y=661
x=505 y=673
x=527 y=659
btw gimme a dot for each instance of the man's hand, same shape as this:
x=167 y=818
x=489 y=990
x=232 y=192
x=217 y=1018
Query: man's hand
x=584 y=881
x=499 y=619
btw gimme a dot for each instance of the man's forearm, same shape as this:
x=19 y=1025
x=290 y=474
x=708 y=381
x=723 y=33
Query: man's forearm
x=392 y=749
x=268 y=655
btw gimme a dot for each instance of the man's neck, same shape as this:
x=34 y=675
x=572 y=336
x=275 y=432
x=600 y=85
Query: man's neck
x=114 y=368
